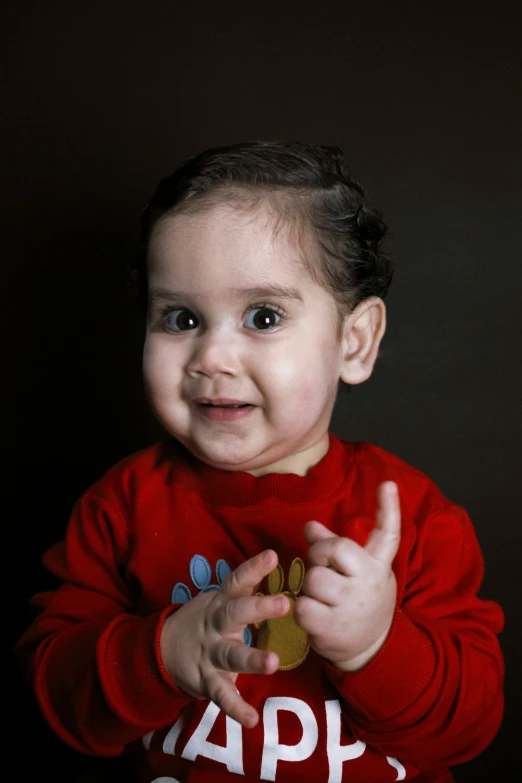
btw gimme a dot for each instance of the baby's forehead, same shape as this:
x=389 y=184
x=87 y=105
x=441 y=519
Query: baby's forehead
x=254 y=250
x=260 y=223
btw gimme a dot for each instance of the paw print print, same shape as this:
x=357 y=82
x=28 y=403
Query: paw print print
x=282 y=635
x=201 y=576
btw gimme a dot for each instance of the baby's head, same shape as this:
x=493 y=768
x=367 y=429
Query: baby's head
x=265 y=285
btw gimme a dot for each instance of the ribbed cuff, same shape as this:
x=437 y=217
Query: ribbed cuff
x=135 y=683
x=391 y=681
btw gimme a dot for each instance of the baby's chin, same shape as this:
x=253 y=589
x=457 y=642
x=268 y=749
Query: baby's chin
x=274 y=458
x=243 y=457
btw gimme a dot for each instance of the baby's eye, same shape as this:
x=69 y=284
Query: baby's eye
x=262 y=318
x=181 y=320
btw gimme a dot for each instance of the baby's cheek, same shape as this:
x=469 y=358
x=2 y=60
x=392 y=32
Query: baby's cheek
x=292 y=394
x=162 y=378
x=161 y=367
x=309 y=389
x=152 y=363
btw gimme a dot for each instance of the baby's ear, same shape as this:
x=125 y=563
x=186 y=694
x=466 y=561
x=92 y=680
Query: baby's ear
x=276 y=580
x=363 y=331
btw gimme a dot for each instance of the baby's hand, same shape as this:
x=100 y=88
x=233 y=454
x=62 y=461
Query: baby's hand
x=202 y=642
x=348 y=598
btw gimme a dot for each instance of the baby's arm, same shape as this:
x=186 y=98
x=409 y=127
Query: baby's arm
x=96 y=666
x=431 y=691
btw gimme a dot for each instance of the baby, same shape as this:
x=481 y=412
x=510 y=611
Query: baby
x=254 y=597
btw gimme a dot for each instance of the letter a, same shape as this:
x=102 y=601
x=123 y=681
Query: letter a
x=272 y=750
x=169 y=743
x=231 y=755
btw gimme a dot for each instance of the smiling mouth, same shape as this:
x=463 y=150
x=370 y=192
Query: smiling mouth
x=213 y=405
x=222 y=403
x=222 y=410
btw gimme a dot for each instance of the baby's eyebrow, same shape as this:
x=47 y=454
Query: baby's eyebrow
x=268 y=291
x=256 y=292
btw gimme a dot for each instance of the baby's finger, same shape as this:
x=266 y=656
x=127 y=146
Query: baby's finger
x=324 y=584
x=233 y=615
x=312 y=616
x=225 y=694
x=237 y=657
x=384 y=539
x=315 y=531
x=246 y=577
x=342 y=554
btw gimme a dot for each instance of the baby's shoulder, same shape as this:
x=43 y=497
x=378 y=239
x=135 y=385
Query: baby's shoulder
x=419 y=494
x=144 y=472
x=375 y=457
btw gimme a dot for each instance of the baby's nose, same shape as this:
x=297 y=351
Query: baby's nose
x=215 y=352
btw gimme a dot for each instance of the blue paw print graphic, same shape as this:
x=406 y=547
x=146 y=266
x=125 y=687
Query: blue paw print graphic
x=201 y=575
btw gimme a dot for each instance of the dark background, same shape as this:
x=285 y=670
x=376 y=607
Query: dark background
x=105 y=98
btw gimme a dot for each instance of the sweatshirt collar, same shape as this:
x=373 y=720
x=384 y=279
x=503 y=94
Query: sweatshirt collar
x=238 y=488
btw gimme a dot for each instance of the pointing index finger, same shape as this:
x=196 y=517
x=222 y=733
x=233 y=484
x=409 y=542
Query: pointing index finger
x=384 y=539
x=245 y=578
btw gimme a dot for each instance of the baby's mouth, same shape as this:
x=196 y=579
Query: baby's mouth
x=222 y=410
x=221 y=403
x=213 y=405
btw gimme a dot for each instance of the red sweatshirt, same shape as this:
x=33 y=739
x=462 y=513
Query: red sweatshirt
x=161 y=526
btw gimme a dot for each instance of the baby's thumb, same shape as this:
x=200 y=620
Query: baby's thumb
x=316 y=531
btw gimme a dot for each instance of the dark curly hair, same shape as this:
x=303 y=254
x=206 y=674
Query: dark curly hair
x=305 y=183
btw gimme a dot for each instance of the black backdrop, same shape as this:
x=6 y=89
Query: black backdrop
x=105 y=98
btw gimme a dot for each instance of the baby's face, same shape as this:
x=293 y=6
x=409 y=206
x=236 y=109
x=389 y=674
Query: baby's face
x=234 y=319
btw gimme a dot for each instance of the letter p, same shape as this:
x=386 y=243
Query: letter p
x=273 y=751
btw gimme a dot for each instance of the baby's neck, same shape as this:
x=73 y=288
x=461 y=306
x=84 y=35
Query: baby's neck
x=298 y=463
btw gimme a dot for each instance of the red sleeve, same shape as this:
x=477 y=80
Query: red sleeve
x=433 y=693
x=95 y=666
